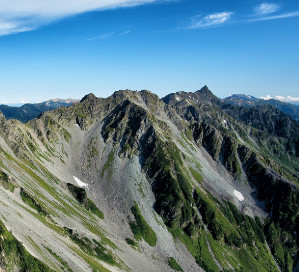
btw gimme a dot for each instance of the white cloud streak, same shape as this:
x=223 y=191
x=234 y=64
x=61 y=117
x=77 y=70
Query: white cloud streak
x=266 y=97
x=102 y=36
x=262 y=12
x=276 y=17
x=210 y=20
x=126 y=32
x=24 y=15
x=266 y=8
x=290 y=98
x=282 y=98
x=109 y=34
x=287 y=99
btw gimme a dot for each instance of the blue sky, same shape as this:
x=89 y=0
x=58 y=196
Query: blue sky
x=65 y=48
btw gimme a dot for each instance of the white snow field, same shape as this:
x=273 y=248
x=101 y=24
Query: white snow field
x=239 y=195
x=80 y=183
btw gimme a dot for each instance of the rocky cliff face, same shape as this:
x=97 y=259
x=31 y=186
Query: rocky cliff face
x=135 y=183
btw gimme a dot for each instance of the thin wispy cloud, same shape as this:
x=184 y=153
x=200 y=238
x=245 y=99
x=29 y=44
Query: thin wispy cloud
x=266 y=8
x=262 y=12
x=214 y=19
x=25 y=15
x=269 y=11
x=287 y=99
x=276 y=17
x=126 y=32
x=11 y=27
x=108 y=35
x=102 y=36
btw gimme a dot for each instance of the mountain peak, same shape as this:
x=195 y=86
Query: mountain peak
x=242 y=97
x=205 y=95
x=205 y=90
x=89 y=97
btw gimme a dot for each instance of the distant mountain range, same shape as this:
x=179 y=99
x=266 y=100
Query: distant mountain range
x=251 y=101
x=30 y=111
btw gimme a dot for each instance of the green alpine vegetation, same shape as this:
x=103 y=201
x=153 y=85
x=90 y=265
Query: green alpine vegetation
x=93 y=248
x=15 y=257
x=81 y=196
x=174 y=265
x=65 y=266
x=131 y=242
x=30 y=201
x=6 y=182
x=141 y=229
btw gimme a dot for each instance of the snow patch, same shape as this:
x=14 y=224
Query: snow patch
x=177 y=98
x=80 y=183
x=239 y=195
x=224 y=121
